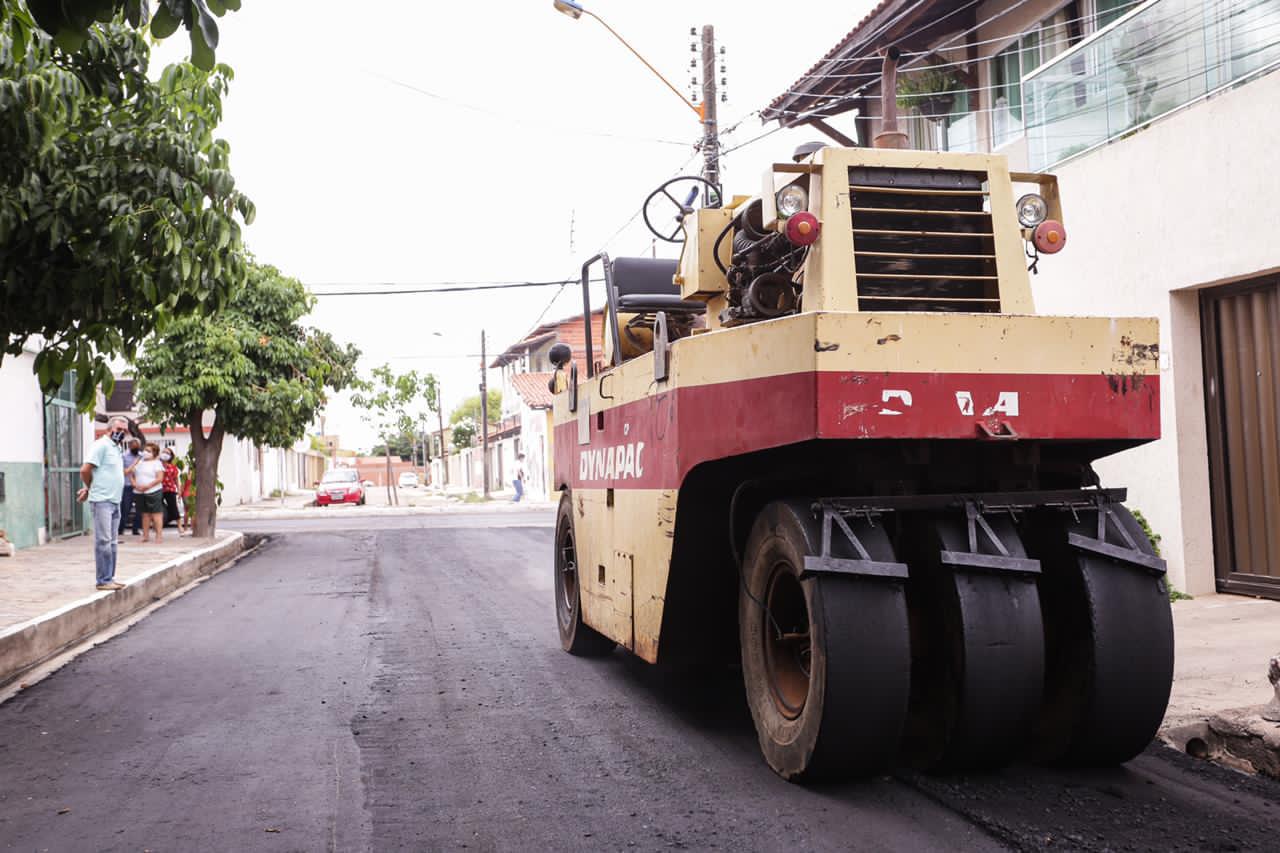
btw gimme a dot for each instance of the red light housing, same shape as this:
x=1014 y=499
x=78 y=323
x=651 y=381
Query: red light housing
x=803 y=228
x=1049 y=237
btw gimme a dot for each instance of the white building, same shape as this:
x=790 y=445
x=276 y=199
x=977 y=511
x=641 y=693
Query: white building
x=43 y=443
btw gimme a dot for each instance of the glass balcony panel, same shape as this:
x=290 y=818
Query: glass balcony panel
x=1165 y=55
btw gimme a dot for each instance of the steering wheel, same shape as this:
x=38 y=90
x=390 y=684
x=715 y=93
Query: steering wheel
x=683 y=208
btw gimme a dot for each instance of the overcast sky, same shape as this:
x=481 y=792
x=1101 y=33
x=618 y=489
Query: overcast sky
x=424 y=142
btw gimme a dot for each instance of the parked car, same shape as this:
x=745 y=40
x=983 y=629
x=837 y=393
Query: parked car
x=340 y=486
x=408 y=480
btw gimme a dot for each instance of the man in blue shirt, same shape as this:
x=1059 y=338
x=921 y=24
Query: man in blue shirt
x=103 y=477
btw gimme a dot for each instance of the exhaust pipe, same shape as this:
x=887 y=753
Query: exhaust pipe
x=889 y=135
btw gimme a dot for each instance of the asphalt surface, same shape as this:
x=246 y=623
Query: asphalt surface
x=398 y=684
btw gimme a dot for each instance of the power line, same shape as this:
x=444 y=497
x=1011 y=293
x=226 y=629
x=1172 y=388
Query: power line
x=906 y=36
x=606 y=243
x=505 y=285
x=514 y=118
x=910 y=66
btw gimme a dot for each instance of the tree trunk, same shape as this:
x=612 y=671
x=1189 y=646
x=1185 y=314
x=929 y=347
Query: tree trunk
x=390 y=493
x=207 y=452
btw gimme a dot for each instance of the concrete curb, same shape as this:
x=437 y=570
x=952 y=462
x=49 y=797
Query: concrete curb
x=1238 y=737
x=232 y=516
x=30 y=643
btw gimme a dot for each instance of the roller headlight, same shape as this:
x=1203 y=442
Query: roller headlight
x=791 y=200
x=1032 y=210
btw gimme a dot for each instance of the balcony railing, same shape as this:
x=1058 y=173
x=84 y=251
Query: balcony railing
x=1160 y=57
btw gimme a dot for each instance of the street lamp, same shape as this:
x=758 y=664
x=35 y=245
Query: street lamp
x=574 y=10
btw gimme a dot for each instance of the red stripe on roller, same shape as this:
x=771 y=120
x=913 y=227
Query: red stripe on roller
x=653 y=443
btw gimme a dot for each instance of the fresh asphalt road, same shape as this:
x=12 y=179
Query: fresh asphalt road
x=397 y=683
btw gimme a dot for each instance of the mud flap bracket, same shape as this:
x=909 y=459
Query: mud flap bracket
x=1127 y=553
x=828 y=563
x=1001 y=561
x=1132 y=556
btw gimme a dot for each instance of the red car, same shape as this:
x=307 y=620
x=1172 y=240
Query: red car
x=340 y=486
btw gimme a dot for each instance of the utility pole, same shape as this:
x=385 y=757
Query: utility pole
x=444 y=454
x=484 y=415
x=710 y=131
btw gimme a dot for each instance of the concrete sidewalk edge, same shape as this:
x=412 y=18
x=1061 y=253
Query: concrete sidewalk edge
x=35 y=641
x=1238 y=737
x=289 y=514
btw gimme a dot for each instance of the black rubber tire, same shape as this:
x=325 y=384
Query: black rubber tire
x=576 y=637
x=859 y=657
x=978 y=673
x=1109 y=640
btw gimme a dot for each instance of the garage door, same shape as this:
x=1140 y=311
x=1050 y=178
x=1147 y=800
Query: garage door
x=1241 y=327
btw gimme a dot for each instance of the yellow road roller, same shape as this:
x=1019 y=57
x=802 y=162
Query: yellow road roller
x=835 y=441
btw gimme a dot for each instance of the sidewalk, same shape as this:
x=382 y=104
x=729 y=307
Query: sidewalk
x=1223 y=644
x=412 y=502
x=50 y=603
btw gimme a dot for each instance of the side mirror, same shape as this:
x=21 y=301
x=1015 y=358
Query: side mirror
x=560 y=355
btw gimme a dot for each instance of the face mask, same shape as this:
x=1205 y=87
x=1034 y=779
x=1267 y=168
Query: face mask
x=117 y=436
x=149 y=456
x=165 y=457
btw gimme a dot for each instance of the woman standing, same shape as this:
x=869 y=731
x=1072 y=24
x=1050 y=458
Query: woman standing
x=148 y=495
x=170 y=487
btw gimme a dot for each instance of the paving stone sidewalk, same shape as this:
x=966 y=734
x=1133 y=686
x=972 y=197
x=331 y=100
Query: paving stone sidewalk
x=40 y=580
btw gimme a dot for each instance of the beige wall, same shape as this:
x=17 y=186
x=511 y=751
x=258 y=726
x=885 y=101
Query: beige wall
x=1186 y=203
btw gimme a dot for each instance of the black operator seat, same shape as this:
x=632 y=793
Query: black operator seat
x=645 y=286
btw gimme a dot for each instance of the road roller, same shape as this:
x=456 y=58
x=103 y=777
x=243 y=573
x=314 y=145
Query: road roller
x=833 y=442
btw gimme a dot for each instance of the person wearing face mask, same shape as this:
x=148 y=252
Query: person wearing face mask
x=132 y=455
x=148 y=494
x=103 y=478
x=170 y=485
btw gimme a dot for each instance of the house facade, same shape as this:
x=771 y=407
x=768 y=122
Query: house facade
x=526 y=398
x=43 y=442
x=1158 y=117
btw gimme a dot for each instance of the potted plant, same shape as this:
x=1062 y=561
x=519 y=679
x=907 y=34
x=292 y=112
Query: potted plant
x=932 y=90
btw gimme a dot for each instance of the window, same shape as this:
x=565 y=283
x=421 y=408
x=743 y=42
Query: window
x=1106 y=11
x=1047 y=39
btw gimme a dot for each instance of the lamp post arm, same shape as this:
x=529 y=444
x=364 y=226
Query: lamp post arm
x=656 y=72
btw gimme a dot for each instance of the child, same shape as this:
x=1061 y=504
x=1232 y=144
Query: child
x=188 y=505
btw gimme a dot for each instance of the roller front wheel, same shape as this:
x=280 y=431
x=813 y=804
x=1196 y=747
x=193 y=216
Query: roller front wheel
x=825 y=657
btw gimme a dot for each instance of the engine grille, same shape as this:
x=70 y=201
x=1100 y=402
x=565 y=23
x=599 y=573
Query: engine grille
x=922 y=241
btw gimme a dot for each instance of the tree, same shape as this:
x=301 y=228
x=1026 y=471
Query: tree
x=117 y=209
x=393 y=403
x=404 y=445
x=463 y=434
x=465 y=418
x=70 y=22
x=262 y=375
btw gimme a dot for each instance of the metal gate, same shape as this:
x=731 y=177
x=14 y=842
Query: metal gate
x=63 y=449
x=1240 y=324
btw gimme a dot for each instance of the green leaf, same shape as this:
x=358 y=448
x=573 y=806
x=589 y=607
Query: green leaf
x=202 y=56
x=70 y=40
x=164 y=24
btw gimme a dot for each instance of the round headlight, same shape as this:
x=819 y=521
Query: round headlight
x=791 y=200
x=1032 y=210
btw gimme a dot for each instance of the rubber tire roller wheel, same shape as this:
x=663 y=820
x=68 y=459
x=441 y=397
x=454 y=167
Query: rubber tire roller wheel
x=1109 y=633
x=576 y=637
x=979 y=667
x=855 y=702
